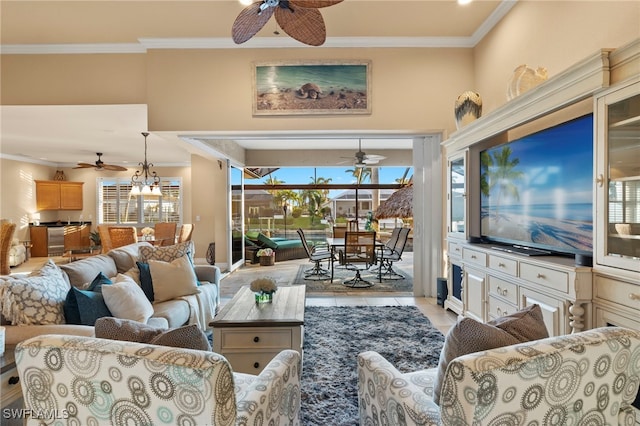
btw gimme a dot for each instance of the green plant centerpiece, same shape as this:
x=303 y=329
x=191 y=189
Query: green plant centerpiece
x=264 y=289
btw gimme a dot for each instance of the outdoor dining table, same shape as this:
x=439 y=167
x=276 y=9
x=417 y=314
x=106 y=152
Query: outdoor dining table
x=335 y=244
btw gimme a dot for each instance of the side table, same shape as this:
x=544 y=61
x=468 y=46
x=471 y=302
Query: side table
x=10 y=389
x=249 y=335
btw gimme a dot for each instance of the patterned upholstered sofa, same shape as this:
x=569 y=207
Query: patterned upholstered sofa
x=590 y=377
x=85 y=380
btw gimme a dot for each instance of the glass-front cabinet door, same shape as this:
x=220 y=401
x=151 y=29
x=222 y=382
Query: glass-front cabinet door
x=456 y=196
x=618 y=178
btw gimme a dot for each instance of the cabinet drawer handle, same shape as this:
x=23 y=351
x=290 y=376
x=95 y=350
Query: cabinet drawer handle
x=498 y=290
x=473 y=256
x=457 y=249
x=13 y=380
x=256 y=339
x=541 y=276
x=504 y=292
x=256 y=365
x=501 y=265
x=634 y=296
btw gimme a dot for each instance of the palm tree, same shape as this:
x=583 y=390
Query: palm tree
x=500 y=171
x=404 y=180
x=360 y=173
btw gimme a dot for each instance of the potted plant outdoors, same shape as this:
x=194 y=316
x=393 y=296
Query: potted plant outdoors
x=267 y=257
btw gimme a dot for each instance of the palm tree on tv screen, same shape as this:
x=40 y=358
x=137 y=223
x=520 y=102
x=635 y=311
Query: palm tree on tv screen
x=499 y=172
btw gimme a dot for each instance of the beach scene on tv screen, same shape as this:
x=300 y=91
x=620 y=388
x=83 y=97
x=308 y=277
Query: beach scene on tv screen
x=537 y=190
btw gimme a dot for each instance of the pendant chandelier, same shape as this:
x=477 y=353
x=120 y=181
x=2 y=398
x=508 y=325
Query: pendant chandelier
x=145 y=182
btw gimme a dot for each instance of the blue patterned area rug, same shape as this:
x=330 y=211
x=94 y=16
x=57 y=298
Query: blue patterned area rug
x=341 y=274
x=333 y=338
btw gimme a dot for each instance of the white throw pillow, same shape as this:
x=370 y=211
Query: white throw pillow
x=172 y=279
x=37 y=299
x=125 y=299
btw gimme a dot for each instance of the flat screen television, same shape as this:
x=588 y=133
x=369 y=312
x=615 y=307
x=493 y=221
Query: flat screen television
x=537 y=191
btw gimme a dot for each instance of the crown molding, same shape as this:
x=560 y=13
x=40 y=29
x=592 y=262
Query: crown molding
x=71 y=48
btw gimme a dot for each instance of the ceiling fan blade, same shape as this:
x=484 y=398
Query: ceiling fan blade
x=249 y=22
x=314 y=3
x=114 y=167
x=304 y=24
x=84 y=166
x=374 y=157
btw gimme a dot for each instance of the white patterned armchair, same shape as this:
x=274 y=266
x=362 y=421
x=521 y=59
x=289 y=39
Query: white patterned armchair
x=94 y=381
x=590 y=377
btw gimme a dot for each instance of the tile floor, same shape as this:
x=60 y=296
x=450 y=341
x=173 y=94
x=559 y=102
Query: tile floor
x=285 y=272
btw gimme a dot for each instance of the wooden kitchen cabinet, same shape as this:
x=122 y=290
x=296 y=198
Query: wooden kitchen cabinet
x=76 y=236
x=39 y=241
x=58 y=195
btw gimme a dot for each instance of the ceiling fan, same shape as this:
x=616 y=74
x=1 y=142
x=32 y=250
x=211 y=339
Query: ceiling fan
x=362 y=159
x=100 y=165
x=301 y=19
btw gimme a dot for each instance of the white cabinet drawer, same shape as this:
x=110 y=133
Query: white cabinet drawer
x=248 y=362
x=9 y=392
x=507 y=266
x=499 y=308
x=473 y=256
x=546 y=277
x=503 y=289
x=257 y=338
x=615 y=291
x=455 y=249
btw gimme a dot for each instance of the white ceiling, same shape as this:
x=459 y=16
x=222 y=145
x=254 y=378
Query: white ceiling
x=65 y=135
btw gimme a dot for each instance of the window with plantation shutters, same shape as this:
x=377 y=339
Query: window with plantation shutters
x=117 y=206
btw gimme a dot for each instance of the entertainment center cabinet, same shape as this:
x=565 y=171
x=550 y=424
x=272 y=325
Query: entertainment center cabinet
x=485 y=282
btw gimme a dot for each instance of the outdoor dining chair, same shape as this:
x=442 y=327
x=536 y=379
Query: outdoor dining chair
x=390 y=254
x=317 y=256
x=358 y=254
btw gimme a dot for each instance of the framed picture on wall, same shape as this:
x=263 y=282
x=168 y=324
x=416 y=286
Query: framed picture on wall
x=306 y=88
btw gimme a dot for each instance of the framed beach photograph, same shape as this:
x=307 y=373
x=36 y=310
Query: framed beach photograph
x=305 y=88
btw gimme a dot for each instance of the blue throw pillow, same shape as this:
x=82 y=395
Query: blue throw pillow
x=145 y=280
x=91 y=306
x=85 y=306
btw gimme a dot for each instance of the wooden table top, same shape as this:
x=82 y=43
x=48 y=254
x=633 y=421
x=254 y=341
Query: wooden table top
x=287 y=309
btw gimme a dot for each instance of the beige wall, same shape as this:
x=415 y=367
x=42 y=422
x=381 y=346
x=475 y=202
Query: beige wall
x=212 y=89
x=550 y=34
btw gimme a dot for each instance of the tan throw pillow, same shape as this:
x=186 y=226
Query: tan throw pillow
x=166 y=253
x=125 y=299
x=172 y=280
x=37 y=299
x=468 y=336
x=187 y=337
x=124 y=329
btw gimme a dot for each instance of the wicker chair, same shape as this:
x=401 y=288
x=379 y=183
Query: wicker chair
x=6 y=235
x=165 y=233
x=116 y=236
x=186 y=230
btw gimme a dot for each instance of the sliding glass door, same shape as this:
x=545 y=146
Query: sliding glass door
x=236 y=214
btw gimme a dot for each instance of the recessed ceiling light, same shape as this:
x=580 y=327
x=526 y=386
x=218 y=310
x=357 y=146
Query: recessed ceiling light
x=245 y=2
x=463 y=2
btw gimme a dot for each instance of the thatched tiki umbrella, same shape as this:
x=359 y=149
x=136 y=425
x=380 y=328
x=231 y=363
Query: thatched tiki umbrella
x=399 y=204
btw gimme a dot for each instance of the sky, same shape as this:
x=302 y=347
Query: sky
x=338 y=175
x=304 y=175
